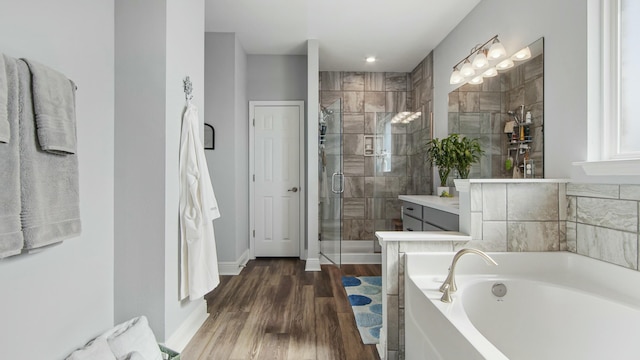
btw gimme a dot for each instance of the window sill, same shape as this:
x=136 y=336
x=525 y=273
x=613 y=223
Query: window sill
x=629 y=167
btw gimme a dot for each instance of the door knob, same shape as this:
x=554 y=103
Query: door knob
x=293 y=189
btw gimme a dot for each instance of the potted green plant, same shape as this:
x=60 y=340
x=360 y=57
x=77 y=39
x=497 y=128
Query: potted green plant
x=467 y=151
x=441 y=153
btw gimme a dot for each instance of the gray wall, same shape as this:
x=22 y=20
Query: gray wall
x=185 y=57
x=57 y=299
x=565 y=64
x=225 y=96
x=242 y=148
x=152 y=58
x=139 y=168
x=277 y=77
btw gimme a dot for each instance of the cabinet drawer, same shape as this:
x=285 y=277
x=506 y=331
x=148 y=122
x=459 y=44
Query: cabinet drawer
x=439 y=218
x=412 y=209
x=430 y=227
x=411 y=224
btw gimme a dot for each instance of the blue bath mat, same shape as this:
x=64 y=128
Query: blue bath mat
x=365 y=296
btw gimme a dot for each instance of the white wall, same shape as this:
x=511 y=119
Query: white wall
x=277 y=77
x=56 y=300
x=152 y=58
x=185 y=57
x=563 y=24
x=225 y=96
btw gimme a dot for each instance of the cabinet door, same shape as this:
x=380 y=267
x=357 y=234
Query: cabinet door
x=442 y=219
x=410 y=223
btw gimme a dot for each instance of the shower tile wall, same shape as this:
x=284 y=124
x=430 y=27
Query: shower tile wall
x=370 y=203
x=419 y=132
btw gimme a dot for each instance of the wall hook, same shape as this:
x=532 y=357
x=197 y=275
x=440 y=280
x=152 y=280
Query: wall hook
x=188 y=88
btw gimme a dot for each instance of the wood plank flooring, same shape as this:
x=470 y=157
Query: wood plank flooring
x=276 y=310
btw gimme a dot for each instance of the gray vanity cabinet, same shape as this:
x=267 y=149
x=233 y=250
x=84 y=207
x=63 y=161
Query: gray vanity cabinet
x=424 y=218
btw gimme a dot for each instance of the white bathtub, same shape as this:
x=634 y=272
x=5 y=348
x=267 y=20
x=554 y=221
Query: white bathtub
x=558 y=306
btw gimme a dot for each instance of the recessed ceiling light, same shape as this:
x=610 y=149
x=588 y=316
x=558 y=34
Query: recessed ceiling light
x=371 y=59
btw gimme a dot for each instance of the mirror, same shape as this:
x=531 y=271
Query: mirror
x=506 y=113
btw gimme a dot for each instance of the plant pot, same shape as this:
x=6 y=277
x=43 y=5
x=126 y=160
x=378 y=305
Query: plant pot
x=441 y=189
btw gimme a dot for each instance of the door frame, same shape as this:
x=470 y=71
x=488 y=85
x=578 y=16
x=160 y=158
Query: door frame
x=302 y=168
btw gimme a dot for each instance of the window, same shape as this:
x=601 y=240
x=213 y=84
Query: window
x=613 y=65
x=621 y=71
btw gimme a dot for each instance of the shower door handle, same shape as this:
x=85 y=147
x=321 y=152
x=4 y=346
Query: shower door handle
x=340 y=188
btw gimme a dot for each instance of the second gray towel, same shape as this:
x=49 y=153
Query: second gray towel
x=49 y=182
x=11 y=241
x=54 y=107
x=5 y=131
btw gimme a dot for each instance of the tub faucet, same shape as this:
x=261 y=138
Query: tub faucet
x=449 y=285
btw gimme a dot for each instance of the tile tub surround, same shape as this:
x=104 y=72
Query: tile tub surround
x=513 y=215
x=394 y=246
x=602 y=222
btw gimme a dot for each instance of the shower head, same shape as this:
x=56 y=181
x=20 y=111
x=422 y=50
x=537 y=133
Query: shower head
x=514 y=115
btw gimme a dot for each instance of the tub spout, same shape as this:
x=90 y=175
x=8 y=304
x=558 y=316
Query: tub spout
x=449 y=285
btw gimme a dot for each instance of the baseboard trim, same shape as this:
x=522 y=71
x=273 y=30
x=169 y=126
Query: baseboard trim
x=181 y=337
x=360 y=258
x=312 y=264
x=356 y=252
x=233 y=267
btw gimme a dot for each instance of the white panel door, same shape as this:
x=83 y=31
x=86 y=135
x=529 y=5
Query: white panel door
x=277 y=182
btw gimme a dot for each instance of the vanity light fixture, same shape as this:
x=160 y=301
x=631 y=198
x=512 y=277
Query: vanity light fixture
x=405 y=117
x=370 y=59
x=496 y=51
x=476 y=80
x=505 y=64
x=482 y=53
x=480 y=60
x=522 y=54
x=491 y=72
x=484 y=56
x=467 y=69
x=456 y=77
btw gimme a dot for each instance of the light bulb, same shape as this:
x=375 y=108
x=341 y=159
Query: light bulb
x=371 y=59
x=491 y=72
x=505 y=64
x=496 y=51
x=456 y=77
x=480 y=60
x=467 y=69
x=476 y=80
x=522 y=54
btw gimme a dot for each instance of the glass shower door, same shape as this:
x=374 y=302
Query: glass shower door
x=331 y=182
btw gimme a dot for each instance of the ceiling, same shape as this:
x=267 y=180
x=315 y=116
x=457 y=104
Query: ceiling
x=399 y=33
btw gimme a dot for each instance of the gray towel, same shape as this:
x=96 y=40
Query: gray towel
x=49 y=182
x=5 y=131
x=54 y=107
x=11 y=242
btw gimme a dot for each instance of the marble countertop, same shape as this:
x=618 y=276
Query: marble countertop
x=450 y=205
x=421 y=236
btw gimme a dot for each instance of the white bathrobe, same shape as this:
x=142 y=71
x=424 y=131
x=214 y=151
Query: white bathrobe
x=198 y=209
